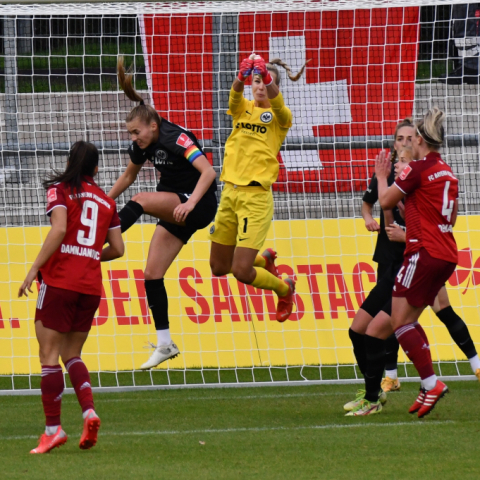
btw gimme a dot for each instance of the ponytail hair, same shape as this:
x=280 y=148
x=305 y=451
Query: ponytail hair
x=146 y=113
x=82 y=161
x=406 y=122
x=271 y=67
x=430 y=128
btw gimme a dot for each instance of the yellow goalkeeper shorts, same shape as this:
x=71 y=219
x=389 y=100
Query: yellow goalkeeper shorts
x=243 y=216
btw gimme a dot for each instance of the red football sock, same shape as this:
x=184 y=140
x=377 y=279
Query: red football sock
x=421 y=331
x=416 y=350
x=80 y=379
x=51 y=386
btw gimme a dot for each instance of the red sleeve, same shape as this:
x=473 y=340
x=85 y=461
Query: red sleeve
x=410 y=179
x=115 y=223
x=55 y=198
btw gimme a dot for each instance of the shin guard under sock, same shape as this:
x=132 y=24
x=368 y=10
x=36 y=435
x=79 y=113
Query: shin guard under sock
x=375 y=352
x=358 y=342
x=158 y=302
x=80 y=378
x=51 y=386
x=416 y=350
x=391 y=352
x=458 y=331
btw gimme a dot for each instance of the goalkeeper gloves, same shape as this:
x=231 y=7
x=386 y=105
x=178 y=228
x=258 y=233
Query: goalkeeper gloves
x=246 y=67
x=260 y=68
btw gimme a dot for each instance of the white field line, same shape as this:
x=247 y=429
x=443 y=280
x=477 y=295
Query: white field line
x=333 y=426
x=100 y=400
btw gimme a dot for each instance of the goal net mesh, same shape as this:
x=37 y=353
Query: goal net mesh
x=372 y=63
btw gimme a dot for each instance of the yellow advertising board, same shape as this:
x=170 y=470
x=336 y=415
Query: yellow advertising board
x=219 y=322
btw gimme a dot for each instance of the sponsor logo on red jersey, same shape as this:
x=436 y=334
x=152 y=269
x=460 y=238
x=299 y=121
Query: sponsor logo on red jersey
x=184 y=140
x=405 y=172
x=51 y=195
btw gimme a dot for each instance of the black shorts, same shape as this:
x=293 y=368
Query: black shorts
x=200 y=217
x=381 y=293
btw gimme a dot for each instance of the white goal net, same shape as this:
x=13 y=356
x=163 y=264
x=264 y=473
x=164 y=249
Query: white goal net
x=373 y=63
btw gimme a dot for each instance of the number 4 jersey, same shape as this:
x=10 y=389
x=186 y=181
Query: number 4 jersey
x=76 y=263
x=431 y=191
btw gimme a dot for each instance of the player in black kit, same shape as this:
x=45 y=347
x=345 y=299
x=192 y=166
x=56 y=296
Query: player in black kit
x=185 y=200
x=388 y=255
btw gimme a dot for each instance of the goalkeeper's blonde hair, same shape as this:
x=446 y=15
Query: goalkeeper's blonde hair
x=272 y=67
x=146 y=113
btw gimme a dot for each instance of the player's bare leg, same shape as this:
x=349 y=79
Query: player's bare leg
x=158 y=204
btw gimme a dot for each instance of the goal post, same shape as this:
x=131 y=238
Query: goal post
x=368 y=71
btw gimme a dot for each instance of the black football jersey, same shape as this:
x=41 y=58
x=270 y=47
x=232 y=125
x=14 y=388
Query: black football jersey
x=386 y=252
x=172 y=155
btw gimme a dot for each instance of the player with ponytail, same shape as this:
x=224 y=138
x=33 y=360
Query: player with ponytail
x=68 y=269
x=431 y=192
x=250 y=168
x=185 y=200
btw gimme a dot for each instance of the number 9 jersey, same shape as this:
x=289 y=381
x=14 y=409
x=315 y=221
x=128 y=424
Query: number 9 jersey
x=90 y=214
x=431 y=191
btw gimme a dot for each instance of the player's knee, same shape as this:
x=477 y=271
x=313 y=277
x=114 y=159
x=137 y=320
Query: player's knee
x=139 y=198
x=244 y=275
x=218 y=270
x=153 y=274
x=47 y=356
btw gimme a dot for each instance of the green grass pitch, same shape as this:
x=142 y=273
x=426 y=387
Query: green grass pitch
x=249 y=433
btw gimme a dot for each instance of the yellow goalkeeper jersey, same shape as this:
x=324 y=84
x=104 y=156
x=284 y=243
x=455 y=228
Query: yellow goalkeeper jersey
x=252 y=148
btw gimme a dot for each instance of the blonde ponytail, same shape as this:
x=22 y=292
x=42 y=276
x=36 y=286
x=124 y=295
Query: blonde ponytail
x=146 y=113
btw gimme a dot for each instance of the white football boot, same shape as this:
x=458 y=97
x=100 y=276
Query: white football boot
x=161 y=354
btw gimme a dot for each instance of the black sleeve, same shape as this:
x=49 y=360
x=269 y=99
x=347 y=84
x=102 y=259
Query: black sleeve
x=137 y=155
x=371 y=195
x=178 y=140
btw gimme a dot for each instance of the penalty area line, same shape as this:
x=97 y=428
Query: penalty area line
x=333 y=426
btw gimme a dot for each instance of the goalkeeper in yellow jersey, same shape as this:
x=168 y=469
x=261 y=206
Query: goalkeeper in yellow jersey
x=250 y=167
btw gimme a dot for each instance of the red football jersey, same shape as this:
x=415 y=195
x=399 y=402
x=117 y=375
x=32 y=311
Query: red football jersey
x=76 y=263
x=431 y=190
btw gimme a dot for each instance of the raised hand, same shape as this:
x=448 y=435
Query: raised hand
x=246 y=67
x=260 y=68
x=383 y=166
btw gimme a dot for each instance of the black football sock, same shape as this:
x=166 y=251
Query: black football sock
x=129 y=214
x=375 y=348
x=391 y=352
x=458 y=331
x=358 y=342
x=158 y=302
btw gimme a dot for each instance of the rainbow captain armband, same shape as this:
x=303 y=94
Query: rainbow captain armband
x=192 y=152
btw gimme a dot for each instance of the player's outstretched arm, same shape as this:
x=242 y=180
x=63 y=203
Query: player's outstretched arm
x=116 y=247
x=125 y=180
x=52 y=242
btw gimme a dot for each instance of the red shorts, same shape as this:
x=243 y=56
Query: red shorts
x=65 y=310
x=421 y=277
